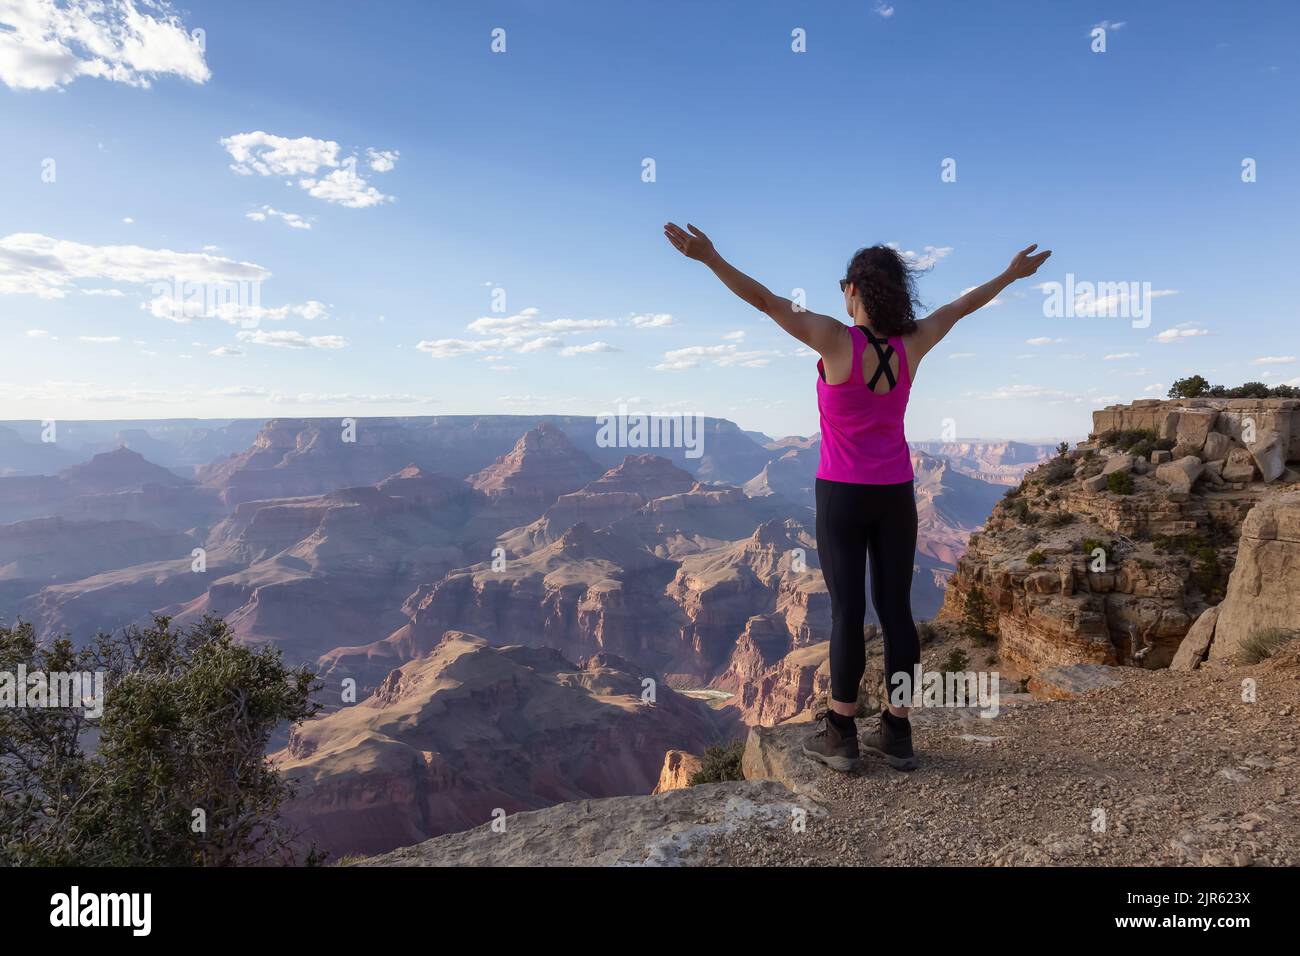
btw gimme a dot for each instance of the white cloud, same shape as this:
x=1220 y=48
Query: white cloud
x=186 y=309
x=527 y=323
x=1025 y=391
x=736 y=336
x=291 y=219
x=1274 y=360
x=128 y=220
x=588 y=349
x=1110 y=24
x=925 y=259
x=286 y=339
x=46 y=45
x=882 y=9
x=720 y=355
x=1116 y=356
x=993 y=301
x=33 y=264
x=382 y=160
x=1043 y=340
x=226 y=351
x=1178 y=333
x=656 y=320
x=961 y=355
x=315 y=162
x=350 y=398
x=1115 y=304
x=37 y=334
x=99 y=339
x=521 y=333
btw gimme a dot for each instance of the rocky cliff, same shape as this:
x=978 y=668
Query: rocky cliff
x=1110 y=553
x=471 y=730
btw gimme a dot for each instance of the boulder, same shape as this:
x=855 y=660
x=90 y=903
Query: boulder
x=1160 y=456
x=1180 y=475
x=664 y=829
x=1263 y=588
x=1197 y=642
x=1213 y=472
x=1269 y=453
x=1095 y=483
x=1216 y=447
x=1067 y=681
x=1240 y=466
x=1118 y=463
x=776 y=753
x=1189 y=427
x=1043 y=582
x=678 y=768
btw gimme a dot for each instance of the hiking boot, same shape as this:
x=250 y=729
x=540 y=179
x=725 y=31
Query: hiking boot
x=893 y=741
x=838 y=751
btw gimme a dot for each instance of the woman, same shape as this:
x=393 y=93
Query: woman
x=865 y=502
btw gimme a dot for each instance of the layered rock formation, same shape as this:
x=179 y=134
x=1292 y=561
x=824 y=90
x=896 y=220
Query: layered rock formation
x=1110 y=554
x=472 y=730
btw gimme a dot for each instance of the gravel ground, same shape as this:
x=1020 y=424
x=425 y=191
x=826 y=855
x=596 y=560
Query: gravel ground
x=1165 y=769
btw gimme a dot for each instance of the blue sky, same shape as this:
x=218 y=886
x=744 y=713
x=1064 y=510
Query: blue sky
x=522 y=171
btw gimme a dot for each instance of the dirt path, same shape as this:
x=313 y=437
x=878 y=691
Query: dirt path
x=1183 y=770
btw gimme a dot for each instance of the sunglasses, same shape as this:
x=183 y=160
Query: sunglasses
x=843 y=284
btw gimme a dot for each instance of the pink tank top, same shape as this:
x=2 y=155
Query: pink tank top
x=862 y=431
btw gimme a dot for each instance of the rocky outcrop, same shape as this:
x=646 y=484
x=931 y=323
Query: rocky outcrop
x=542 y=466
x=1069 y=681
x=1078 y=568
x=1194 y=646
x=668 y=829
x=1264 y=589
x=766 y=691
x=678 y=768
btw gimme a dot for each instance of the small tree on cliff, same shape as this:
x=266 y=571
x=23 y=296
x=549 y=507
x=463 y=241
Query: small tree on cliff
x=977 y=616
x=178 y=775
x=1193 y=386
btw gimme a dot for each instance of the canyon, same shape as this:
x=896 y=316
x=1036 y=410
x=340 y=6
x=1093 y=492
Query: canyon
x=447 y=575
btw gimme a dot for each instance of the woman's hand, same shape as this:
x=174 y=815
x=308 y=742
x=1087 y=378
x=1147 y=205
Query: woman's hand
x=1025 y=263
x=693 y=245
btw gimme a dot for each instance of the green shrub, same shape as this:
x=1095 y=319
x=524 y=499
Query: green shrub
x=1058 y=470
x=1143 y=449
x=1125 y=439
x=1120 y=482
x=1263 y=644
x=1089 y=545
x=1193 y=386
x=1209 y=575
x=719 y=763
x=1035 y=559
x=1196 y=386
x=978 y=617
x=187 y=716
x=956 y=662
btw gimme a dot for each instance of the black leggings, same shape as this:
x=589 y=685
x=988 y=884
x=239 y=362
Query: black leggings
x=854 y=521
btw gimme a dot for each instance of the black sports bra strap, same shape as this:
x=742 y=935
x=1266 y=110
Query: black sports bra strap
x=883 y=356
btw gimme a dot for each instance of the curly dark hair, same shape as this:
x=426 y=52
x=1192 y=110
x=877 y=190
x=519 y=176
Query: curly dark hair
x=886 y=286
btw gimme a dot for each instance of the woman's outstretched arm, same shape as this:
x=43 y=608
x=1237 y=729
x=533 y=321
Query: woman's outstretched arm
x=818 y=332
x=932 y=329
